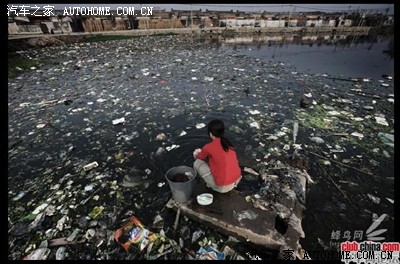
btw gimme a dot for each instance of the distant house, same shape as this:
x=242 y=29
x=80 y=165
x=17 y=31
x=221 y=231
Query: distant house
x=344 y=22
x=293 y=23
x=274 y=23
x=347 y=23
x=331 y=22
x=188 y=17
x=314 y=23
x=162 y=14
x=206 y=21
x=245 y=22
x=229 y=22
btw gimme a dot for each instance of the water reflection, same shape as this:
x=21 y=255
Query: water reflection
x=344 y=41
x=390 y=50
x=334 y=54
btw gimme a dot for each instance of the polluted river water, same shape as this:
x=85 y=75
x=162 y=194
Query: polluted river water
x=136 y=108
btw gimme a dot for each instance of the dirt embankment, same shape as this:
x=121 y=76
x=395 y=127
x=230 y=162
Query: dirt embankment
x=37 y=42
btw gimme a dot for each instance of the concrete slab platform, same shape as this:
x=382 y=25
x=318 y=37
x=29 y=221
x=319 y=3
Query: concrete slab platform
x=270 y=217
x=228 y=214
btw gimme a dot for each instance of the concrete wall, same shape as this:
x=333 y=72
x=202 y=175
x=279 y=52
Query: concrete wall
x=275 y=23
x=30 y=29
x=229 y=22
x=107 y=25
x=120 y=24
x=66 y=26
x=293 y=23
x=96 y=25
x=13 y=28
x=48 y=26
x=245 y=22
x=93 y=25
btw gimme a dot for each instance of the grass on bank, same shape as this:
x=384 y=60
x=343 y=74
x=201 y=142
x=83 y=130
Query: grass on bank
x=17 y=64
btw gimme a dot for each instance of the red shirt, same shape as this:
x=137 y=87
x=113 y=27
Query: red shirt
x=223 y=165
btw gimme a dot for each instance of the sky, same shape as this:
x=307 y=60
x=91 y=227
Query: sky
x=249 y=7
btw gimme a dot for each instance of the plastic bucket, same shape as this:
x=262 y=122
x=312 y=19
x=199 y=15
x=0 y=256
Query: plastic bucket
x=181 y=191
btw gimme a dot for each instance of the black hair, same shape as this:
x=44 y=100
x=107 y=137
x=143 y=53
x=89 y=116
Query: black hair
x=217 y=128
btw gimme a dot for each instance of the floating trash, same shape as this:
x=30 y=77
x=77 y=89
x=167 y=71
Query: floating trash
x=386 y=138
x=61 y=223
x=390 y=200
x=200 y=125
x=134 y=233
x=387 y=77
x=88 y=188
x=317 y=140
x=356 y=134
x=255 y=124
x=40 y=208
x=381 y=121
x=61 y=253
x=161 y=137
x=205 y=198
x=169 y=148
x=118 y=121
x=90 y=166
x=97 y=210
x=19 y=196
x=38 y=254
x=251 y=171
x=327 y=162
x=73 y=235
x=374 y=198
x=90 y=233
x=210 y=253
x=254 y=112
x=160 y=151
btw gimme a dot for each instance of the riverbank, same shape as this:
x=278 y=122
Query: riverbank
x=216 y=30
x=211 y=30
